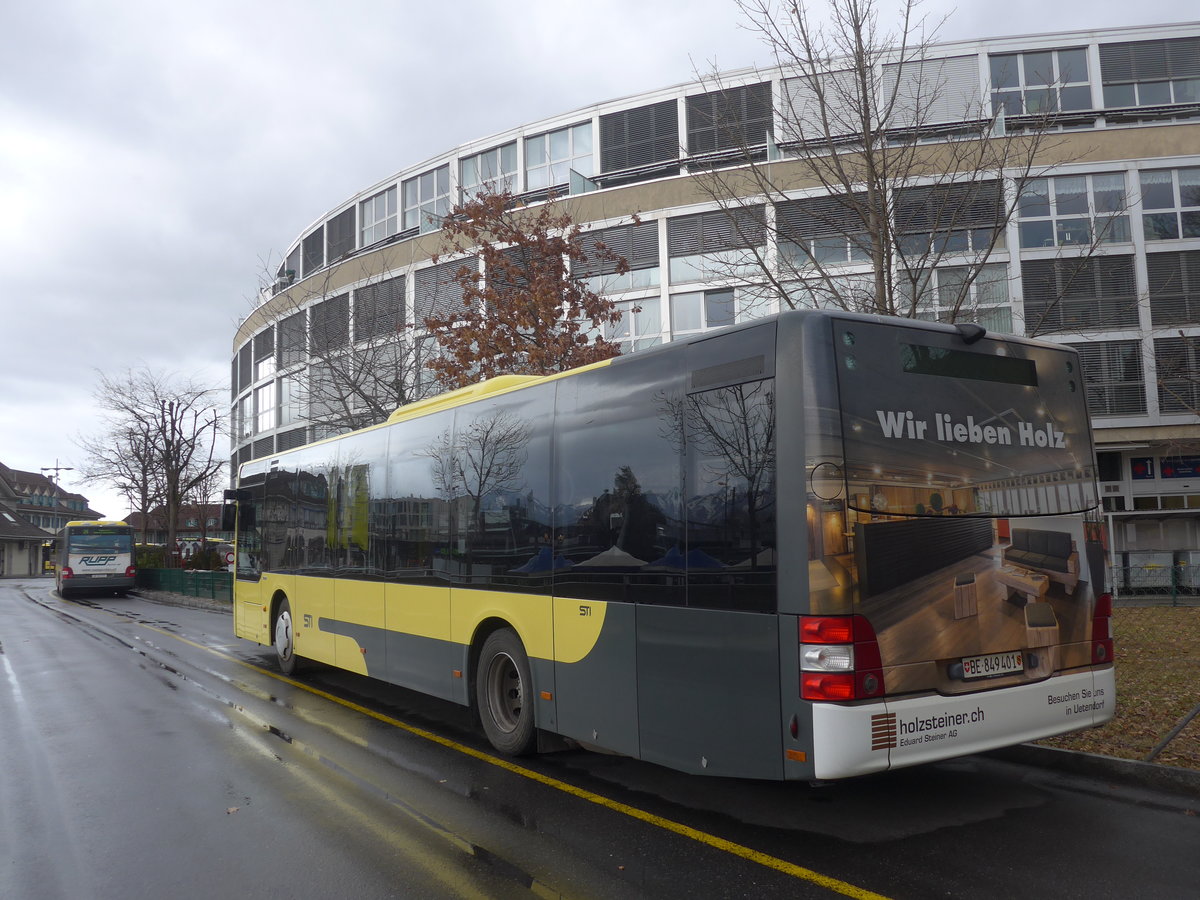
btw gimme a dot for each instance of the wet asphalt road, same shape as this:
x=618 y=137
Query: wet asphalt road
x=146 y=752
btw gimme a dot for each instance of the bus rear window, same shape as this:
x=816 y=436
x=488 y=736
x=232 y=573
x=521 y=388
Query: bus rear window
x=918 y=359
x=932 y=428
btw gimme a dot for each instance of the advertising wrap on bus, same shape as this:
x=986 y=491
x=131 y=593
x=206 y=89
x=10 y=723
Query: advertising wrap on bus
x=956 y=535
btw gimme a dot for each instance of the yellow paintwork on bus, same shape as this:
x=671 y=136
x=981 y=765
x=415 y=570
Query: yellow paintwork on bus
x=552 y=628
x=577 y=627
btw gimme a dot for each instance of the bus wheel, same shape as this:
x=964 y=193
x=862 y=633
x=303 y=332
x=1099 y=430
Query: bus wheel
x=504 y=693
x=285 y=640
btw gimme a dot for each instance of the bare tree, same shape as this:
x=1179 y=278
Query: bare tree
x=882 y=165
x=124 y=458
x=354 y=363
x=170 y=425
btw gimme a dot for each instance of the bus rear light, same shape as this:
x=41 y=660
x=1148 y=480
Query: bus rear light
x=67 y=573
x=822 y=686
x=827 y=657
x=130 y=571
x=839 y=659
x=826 y=629
x=1102 y=641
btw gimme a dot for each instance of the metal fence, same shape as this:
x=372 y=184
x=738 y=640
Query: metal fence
x=1165 y=580
x=214 y=585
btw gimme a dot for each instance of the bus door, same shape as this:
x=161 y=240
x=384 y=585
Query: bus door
x=240 y=515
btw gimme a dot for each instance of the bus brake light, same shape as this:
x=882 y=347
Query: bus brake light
x=839 y=659
x=66 y=572
x=1102 y=641
x=130 y=571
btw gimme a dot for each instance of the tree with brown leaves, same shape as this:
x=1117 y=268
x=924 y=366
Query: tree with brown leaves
x=522 y=311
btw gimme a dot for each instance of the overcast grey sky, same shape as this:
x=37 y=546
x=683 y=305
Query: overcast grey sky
x=154 y=156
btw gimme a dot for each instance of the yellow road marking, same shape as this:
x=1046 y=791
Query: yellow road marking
x=702 y=837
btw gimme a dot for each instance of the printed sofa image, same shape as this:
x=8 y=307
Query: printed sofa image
x=1051 y=552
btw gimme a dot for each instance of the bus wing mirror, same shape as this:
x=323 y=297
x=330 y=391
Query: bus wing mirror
x=228 y=515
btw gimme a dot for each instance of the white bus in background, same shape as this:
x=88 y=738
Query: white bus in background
x=94 y=556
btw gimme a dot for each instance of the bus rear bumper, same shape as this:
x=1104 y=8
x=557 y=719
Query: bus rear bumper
x=857 y=740
x=98 y=583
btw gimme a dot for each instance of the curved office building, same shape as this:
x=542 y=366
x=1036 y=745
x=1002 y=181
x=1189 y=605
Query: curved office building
x=1123 y=107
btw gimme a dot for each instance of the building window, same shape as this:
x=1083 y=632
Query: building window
x=243 y=419
x=1040 y=81
x=1112 y=372
x=264 y=407
x=290 y=269
x=1073 y=210
x=955 y=218
x=636 y=244
x=264 y=353
x=550 y=157
x=1174 y=282
x=492 y=171
x=699 y=310
x=1068 y=294
x=719 y=244
x=946 y=296
x=821 y=230
x=339 y=235
x=378 y=216
x=1150 y=73
x=736 y=118
x=1178 y=363
x=640 y=326
x=290 y=409
x=1171 y=200
x=427 y=199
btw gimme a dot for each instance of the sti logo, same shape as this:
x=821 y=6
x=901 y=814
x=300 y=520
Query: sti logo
x=97 y=560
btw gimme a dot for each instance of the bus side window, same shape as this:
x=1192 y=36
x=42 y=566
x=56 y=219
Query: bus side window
x=249 y=563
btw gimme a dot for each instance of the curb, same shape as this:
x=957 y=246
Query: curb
x=1131 y=772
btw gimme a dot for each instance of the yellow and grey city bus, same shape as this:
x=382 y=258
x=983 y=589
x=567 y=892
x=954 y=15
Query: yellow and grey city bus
x=811 y=546
x=95 y=556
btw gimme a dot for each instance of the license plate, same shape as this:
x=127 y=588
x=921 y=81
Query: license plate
x=993 y=664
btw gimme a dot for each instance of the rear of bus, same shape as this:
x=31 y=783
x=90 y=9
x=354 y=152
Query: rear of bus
x=95 y=557
x=955 y=601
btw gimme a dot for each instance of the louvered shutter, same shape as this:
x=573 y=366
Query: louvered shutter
x=729 y=119
x=714 y=231
x=436 y=290
x=637 y=244
x=313 y=247
x=339 y=235
x=639 y=137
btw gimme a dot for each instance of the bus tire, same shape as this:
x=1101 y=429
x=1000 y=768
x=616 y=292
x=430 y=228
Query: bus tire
x=284 y=637
x=504 y=694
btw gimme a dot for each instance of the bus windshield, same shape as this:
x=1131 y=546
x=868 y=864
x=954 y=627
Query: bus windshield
x=100 y=540
x=931 y=426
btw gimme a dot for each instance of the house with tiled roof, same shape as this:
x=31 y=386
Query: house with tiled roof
x=20 y=540
x=41 y=502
